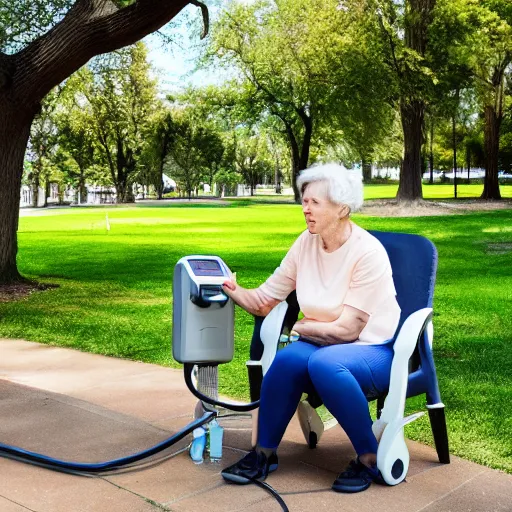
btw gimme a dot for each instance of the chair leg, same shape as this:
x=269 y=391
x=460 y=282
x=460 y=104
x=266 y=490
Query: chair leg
x=380 y=405
x=438 y=423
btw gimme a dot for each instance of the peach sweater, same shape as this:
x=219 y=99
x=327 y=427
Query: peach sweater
x=357 y=274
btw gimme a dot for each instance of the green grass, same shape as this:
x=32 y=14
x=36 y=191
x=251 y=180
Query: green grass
x=436 y=191
x=388 y=191
x=115 y=296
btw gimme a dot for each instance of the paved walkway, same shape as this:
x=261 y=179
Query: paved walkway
x=87 y=407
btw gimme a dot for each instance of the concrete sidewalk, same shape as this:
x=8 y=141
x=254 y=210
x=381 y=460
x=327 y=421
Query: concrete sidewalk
x=90 y=408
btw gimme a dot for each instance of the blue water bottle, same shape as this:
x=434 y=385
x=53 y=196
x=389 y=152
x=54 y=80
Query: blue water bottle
x=216 y=435
x=198 y=445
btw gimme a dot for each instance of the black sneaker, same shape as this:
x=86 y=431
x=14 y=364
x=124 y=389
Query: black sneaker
x=357 y=477
x=254 y=466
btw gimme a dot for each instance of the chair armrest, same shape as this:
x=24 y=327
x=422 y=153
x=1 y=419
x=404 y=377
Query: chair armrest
x=270 y=332
x=411 y=331
x=405 y=343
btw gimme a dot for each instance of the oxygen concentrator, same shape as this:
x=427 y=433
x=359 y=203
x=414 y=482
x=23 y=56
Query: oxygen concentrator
x=203 y=315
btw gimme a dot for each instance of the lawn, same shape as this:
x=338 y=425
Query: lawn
x=389 y=190
x=435 y=192
x=115 y=298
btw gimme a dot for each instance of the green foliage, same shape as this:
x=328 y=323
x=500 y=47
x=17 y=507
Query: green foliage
x=43 y=146
x=196 y=152
x=160 y=139
x=252 y=158
x=78 y=147
x=311 y=67
x=121 y=98
x=22 y=21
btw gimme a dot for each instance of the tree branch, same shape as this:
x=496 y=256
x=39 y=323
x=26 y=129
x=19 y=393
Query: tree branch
x=90 y=27
x=206 y=17
x=391 y=44
x=7 y=68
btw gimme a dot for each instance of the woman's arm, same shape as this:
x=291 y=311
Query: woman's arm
x=253 y=300
x=345 y=329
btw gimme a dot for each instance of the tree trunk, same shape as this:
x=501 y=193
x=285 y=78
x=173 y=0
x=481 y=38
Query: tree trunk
x=61 y=192
x=120 y=193
x=454 y=141
x=306 y=142
x=82 y=190
x=295 y=161
x=277 y=178
x=491 y=148
x=35 y=190
x=412 y=116
x=47 y=189
x=412 y=108
x=367 y=170
x=431 y=156
x=468 y=161
x=160 y=185
x=14 y=134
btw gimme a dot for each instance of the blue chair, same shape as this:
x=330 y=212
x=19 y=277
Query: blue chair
x=414 y=263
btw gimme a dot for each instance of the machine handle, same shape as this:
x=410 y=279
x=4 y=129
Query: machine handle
x=221 y=297
x=209 y=294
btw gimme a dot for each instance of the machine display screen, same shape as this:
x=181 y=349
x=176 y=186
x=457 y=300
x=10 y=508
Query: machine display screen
x=206 y=267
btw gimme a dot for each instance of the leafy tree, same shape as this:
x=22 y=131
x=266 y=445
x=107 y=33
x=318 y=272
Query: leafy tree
x=186 y=153
x=212 y=155
x=122 y=98
x=42 y=44
x=493 y=68
x=288 y=55
x=505 y=156
x=77 y=140
x=161 y=138
x=479 y=34
x=42 y=144
x=252 y=159
x=78 y=145
x=278 y=156
x=402 y=28
x=219 y=111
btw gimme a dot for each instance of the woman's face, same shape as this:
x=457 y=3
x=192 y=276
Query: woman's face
x=321 y=214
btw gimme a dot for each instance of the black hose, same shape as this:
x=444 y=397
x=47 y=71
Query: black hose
x=273 y=492
x=188 y=368
x=101 y=467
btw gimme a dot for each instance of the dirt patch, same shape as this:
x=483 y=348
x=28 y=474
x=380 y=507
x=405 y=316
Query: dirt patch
x=392 y=208
x=499 y=248
x=17 y=291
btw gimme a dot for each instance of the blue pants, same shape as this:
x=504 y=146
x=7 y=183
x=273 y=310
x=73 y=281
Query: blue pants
x=342 y=375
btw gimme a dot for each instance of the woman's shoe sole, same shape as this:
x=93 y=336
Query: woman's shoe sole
x=350 y=489
x=241 y=480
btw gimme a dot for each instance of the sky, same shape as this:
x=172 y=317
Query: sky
x=175 y=62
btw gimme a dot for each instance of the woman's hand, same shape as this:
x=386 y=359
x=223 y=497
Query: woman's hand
x=343 y=330
x=308 y=329
x=229 y=287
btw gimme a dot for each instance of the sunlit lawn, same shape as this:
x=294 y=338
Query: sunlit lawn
x=389 y=190
x=436 y=191
x=115 y=296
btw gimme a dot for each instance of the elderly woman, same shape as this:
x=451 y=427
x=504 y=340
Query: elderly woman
x=342 y=276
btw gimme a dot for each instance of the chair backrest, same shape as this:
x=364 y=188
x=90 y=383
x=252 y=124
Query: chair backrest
x=414 y=263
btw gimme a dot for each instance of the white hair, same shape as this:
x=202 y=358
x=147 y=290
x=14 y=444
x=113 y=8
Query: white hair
x=344 y=186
